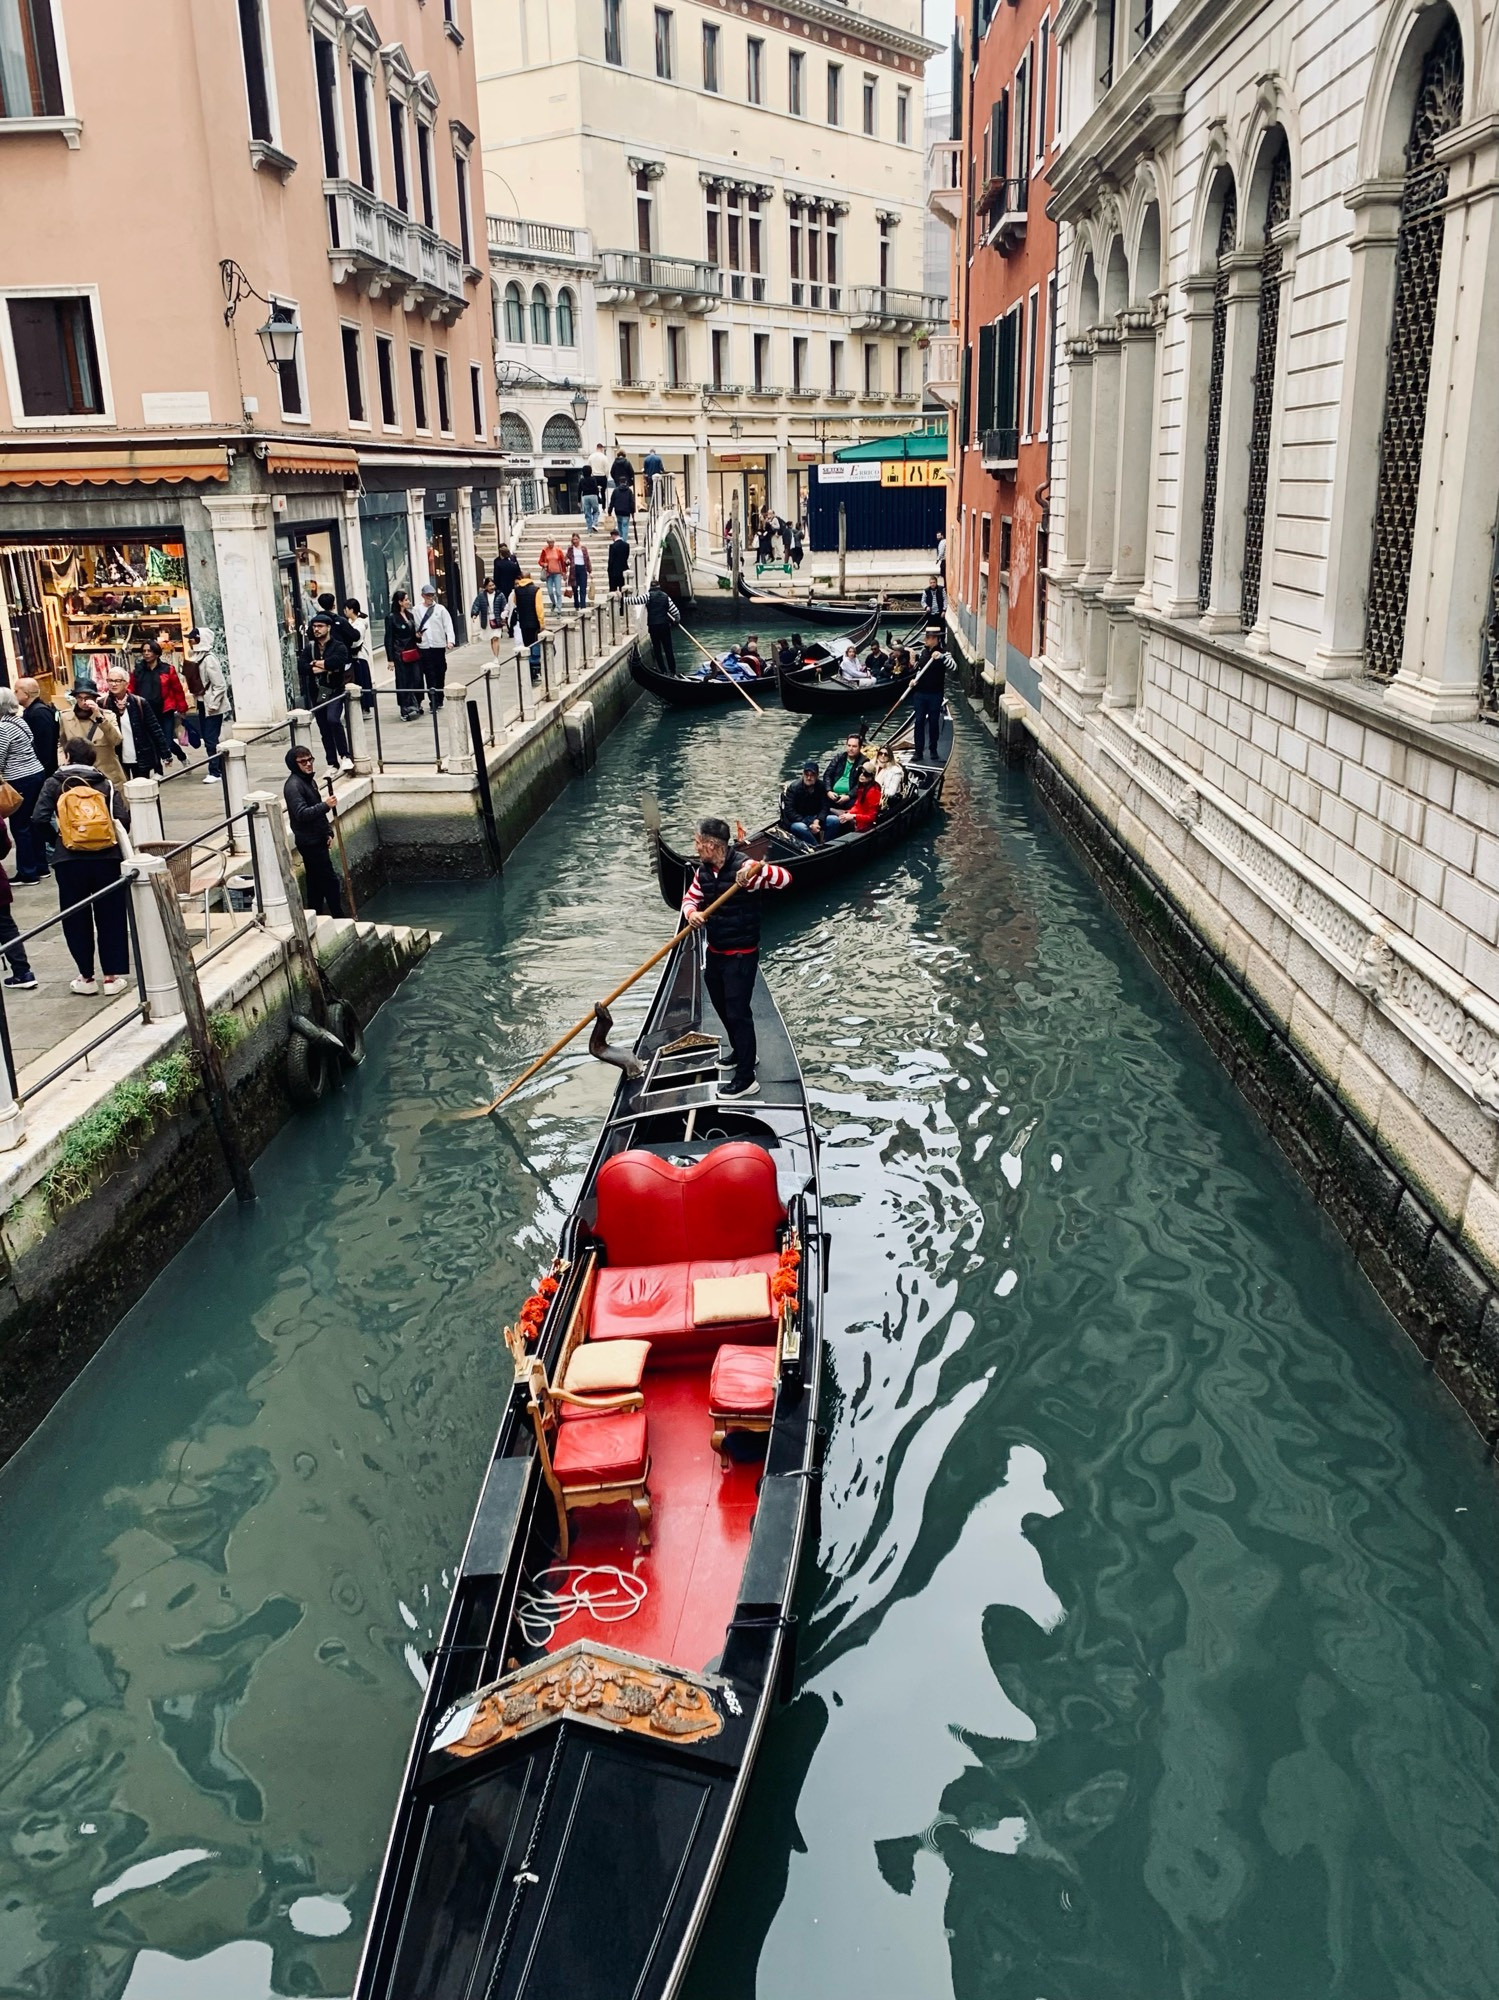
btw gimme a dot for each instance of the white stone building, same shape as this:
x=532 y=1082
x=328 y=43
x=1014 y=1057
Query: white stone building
x=753 y=184
x=546 y=361
x=1269 y=662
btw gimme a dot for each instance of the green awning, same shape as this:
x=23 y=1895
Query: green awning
x=912 y=444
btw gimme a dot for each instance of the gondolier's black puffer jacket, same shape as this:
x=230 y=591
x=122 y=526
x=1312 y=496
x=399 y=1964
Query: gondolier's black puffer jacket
x=736 y=927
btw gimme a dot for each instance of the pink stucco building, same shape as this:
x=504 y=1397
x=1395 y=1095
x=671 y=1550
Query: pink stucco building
x=154 y=466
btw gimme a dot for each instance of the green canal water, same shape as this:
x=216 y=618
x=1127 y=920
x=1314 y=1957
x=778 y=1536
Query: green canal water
x=1148 y=1640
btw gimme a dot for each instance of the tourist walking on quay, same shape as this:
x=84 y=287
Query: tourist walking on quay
x=927 y=691
x=158 y=687
x=621 y=471
x=580 y=568
x=530 y=619
x=654 y=472
x=507 y=573
x=208 y=684
x=21 y=769
x=733 y=938
x=660 y=615
x=358 y=643
x=434 y=635
x=143 y=746
x=311 y=817
x=485 y=609
x=618 y=559
x=85 y=810
x=325 y=676
x=40 y=718
x=403 y=655
x=552 y=563
x=20 y=977
x=592 y=498
x=622 y=506
x=88 y=722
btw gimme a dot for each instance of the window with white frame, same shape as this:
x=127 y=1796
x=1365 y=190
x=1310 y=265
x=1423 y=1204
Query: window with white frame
x=710 y=56
x=1032 y=349
x=292 y=380
x=476 y=397
x=645 y=231
x=902 y=371
x=871 y=368
x=52 y=357
x=835 y=367
x=713 y=214
x=444 y=394
x=353 y=374
x=325 y=71
x=663 y=44
x=614 y=48
x=887 y=252
x=870 y=84
x=419 y=388
x=754 y=70
x=541 y=316
x=799 y=362
x=798 y=285
x=255 y=53
x=514 y=314
x=835 y=93
x=676 y=357
x=902 y=117
x=760 y=360
x=424 y=167
x=460 y=181
x=796 y=84
x=719 y=346
x=629 y=353
x=567 y=317
x=363 y=86
x=402 y=189
x=385 y=375
x=1043 y=84
x=1048 y=335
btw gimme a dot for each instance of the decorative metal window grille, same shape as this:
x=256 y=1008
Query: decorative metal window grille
x=1228 y=230
x=1418 y=271
x=515 y=433
x=1277 y=211
x=561 y=434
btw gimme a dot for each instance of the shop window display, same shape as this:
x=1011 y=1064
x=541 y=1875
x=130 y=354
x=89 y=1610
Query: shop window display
x=75 y=609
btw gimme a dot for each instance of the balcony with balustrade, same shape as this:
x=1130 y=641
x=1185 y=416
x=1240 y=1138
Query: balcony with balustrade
x=1005 y=204
x=513 y=240
x=944 y=174
x=666 y=284
x=882 y=309
x=376 y=247
x=944 y=368
x=1000 y=450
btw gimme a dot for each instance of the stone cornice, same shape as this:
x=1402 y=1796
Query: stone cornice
x=836 y=30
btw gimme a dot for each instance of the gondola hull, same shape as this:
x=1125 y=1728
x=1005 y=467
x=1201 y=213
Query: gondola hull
x=804 y=695
x=811 y=867
x=679 y=692
x=808 y=610
x=567 y=1808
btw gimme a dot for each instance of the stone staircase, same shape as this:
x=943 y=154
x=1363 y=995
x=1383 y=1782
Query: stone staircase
x=562 y=527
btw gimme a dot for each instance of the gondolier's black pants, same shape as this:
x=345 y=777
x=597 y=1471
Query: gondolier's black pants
x=662 y=649
x=731 y=986
x=928 y=709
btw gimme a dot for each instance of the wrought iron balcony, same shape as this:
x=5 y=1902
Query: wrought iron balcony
x=382 y=250
x=944 y=366
x=510 y=237
x=880 y=308
x=1001 y=450
x=1006 y=202
x=675 y=284
x=944 y=173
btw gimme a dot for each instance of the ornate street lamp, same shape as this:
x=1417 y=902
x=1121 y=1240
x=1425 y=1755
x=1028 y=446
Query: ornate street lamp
x=279 y=336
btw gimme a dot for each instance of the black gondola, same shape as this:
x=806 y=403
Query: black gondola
x=811 y=610
x=811 y=866
x=569 y=1800
x=714 y=690
x=806 y=694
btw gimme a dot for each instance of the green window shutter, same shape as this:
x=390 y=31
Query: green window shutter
x=1006 y=373
x=965 y=395
x=986 y=380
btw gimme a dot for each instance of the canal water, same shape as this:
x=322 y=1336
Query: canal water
x=1148 y=1642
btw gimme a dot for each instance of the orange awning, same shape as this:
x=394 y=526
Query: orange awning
x=120 y=465
x=313 y=458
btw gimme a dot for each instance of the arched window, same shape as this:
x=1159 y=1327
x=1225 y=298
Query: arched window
x=515 y=313
x=1418 y=270
x=561 y=433
x=1277 y=211
x=515 y=433
x=567 y=319
x=541 y=316
x=1228 y=232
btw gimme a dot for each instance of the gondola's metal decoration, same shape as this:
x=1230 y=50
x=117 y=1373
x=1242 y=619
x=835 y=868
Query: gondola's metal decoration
x=585 y=1682
x=1277 y=211
x=1418 y=271
x=1228 y=230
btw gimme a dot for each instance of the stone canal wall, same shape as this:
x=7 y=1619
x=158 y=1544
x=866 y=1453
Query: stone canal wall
x=1320 y=888
x=120 y=1164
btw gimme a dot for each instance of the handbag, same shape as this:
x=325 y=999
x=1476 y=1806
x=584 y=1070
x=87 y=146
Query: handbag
x=10 y=799
x=410 y=655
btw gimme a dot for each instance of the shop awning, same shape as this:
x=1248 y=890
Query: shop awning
x=118 y=465
x=905 y=444
x=317 y=458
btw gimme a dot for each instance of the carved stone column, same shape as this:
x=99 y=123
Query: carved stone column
x=1180 y=599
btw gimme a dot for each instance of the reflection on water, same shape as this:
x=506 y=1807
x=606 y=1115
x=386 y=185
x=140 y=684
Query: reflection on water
x=1147 y=1647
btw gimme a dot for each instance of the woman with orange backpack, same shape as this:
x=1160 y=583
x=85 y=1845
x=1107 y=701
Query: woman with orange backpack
x=87 y=812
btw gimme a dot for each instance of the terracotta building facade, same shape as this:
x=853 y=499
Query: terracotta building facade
x=305 y=169
x=989 y=181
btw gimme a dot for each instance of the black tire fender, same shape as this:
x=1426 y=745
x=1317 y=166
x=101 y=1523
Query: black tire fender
x=344 y=1022
x=307 y=1066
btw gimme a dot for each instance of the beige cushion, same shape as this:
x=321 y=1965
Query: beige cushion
x=606 y=1367
x=730 y=1301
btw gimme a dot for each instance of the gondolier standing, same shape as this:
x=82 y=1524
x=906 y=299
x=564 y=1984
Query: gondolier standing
x=927 y=691
x=733 y=954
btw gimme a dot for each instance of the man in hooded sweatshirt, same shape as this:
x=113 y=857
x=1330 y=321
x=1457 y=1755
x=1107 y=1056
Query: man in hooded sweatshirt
x=311 y=828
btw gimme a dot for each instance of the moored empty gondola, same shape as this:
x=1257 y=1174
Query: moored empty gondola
x=811 y=864
x=620 y=1622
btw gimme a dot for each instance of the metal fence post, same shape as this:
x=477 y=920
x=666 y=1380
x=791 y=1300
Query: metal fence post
x=236 y=790
x=144 y=798
x=158 y=975
x=12 y=1117
x=276 y=889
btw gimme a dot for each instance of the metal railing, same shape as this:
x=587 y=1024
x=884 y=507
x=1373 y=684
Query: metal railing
x=1001 y=448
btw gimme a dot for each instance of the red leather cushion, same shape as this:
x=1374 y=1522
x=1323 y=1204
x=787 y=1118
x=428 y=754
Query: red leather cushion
x=640 y=1214
x=651 y=1212
x=601 y=1451
x=743 y=1382
x=641 y=1303
x=732 y=1208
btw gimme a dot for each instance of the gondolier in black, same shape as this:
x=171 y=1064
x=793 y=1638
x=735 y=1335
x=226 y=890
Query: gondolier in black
x=927 y=691
x=660 y=615
x=733 y=954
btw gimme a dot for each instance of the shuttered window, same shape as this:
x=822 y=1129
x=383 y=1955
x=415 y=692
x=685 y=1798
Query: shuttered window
x=986 y=381
x=1007 y=371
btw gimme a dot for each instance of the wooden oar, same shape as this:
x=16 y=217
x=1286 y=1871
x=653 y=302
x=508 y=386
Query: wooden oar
x=343 y=852
x=484 y=1110
x=723 y=673
x=901 y=697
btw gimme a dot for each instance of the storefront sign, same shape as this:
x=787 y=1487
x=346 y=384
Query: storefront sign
x=439 y=503
x=859 y=472
x=913 y=472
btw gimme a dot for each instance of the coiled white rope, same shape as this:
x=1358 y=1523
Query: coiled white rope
x=606 y=1592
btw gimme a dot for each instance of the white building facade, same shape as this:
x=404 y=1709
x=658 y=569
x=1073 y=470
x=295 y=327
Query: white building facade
x=753 y=184
x=546 y=361
x=1269 y=664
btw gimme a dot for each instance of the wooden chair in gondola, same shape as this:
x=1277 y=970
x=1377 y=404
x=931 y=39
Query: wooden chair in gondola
x=743 y=1385
x=594 y=1450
